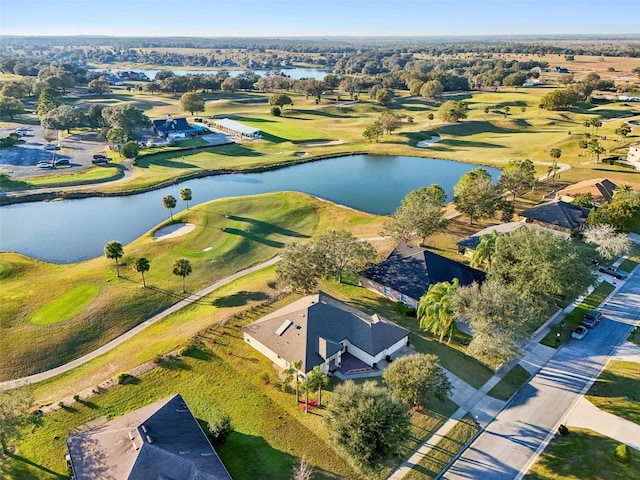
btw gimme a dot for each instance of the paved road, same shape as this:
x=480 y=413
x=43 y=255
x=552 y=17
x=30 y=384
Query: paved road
x=38 y=377
x=511 y=442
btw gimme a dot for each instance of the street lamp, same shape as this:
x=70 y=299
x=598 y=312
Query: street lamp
x=558 y=338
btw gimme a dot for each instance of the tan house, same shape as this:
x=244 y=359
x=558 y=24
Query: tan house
x=601 y=190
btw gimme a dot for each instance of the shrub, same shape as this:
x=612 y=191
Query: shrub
x=220 y=425
x=622 y=454
x=276 y=112
x=76 y=398
x=61 y=405
x=186 y=350
x=264 y=376
x=123 y=377
x=404 y=309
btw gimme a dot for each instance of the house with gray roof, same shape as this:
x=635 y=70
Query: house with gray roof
x=559 y=216
x=406 y=274
x=160 y=441
x=319 y=329
x=170 y=127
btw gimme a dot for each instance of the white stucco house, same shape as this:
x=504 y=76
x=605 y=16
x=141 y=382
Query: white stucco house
x=319 y=329
x=633 y=156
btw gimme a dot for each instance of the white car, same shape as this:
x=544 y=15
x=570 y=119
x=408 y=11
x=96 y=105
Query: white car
x=579 y=332
x=44 y=165
x=49 y=146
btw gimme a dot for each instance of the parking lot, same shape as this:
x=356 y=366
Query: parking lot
x=22 y=159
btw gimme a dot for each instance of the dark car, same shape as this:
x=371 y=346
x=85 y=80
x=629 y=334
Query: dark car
x=613 y=271
x=99 y=160
x=62 y=161
x=591 y=319
x=97 y=156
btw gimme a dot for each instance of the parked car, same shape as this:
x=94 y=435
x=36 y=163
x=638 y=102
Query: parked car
x=96 y=156
x=62 y=161
x=579 y=332
x=613 y=271
x=49 y=146
x=44 y=165
x=591 y=319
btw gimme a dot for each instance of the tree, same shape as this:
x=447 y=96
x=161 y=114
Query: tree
x=500 y=317
x=416 y=379
x=432 y=89
x=99 y=86
x=192 y=102
x=485 y=250
x=517 y=177
x=420 y=213
x=475 y=195
x=292 y=372
x=10 y=107
x=583 y=200
x=300 y=269
x=435 y=313
x=415 y=87
x=230 y=84
x=94 y=116
x=302 y=470
x=339 y=252
x=452 y=111
x=507 y=110
x=541 y=264
x=623 y=212
x=596 y=123
x=185 y=195
x=366 y=423
x=610 y=244
x=555 y=154
x=595 y=150
x=47 y=101
x=582 y=145
x=142 y=265
x=117 y=135
x=219 y=425
x=389 y=122
x=63 y=117
x=114 y=251
x=280 y=100
x=622 y=131
x=15 y=406
x=17 y=90
x=130 y=150
x=373 y=132
x=431 y=116
x=276 y=112
x=182 y=268
x=169 y=202
x=317 y=379
x=127 y=117
x=384 y=95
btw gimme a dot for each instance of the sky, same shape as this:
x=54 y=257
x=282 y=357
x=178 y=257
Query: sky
x=290 y=18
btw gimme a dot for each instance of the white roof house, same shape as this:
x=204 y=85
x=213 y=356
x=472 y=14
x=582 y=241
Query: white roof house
x=236 y=128
x=633 y=157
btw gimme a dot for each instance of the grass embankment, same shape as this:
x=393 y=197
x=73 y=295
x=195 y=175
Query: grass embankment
x=490 y=139
x=253 y=230
x=617 y=390
x=583 y=454
x=573 y=318
x=510 y=383
x=446 y=449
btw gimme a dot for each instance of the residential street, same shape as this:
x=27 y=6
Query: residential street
x=509 y=444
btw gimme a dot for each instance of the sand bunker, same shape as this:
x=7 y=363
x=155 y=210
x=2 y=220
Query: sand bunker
x=172 y=231
x=426 y=143
x=318 y=143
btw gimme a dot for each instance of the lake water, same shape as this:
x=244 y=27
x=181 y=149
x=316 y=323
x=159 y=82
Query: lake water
x=295 y=73
x=73 y=230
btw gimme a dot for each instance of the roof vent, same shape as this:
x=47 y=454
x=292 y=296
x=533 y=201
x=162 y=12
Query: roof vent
x=144 y=428
x=149 y=439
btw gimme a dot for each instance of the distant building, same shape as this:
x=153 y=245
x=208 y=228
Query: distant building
x=160 y=441
x=406 y=274
x=560 y=216
x=113 y=80
x=561 y=69
x=238 y=129
x=633 y=156
x=601 y=190
x=173 y=128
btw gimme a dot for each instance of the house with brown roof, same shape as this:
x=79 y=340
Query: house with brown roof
x=319 y=329
x=601 y=190
x=559 y=216
x=406 y=274
x=160 y=441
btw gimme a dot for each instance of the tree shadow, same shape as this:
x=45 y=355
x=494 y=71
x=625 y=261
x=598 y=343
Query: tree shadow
x=253 y=237
x=239 y=299
x=273 y=138
x=89 y=404
x=268 y=227
x=18 y=466
x=175 y=363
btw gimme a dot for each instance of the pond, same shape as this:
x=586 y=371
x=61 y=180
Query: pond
x=295 y=73
x=74 y=230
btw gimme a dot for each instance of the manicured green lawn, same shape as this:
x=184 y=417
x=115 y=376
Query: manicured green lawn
x=583 y=454
x=617 y=390
x=66 y=305
x=446 y=449
x=573 y=318
x=510 y=383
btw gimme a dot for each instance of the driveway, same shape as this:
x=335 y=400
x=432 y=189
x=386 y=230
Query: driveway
x=510 y=444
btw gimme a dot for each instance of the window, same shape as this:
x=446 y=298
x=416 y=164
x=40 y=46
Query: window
x=387 y=291
x=403 y=298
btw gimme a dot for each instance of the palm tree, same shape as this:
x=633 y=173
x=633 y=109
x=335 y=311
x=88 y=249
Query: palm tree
x=582 y=144
x=292 y=372
x=586 y=124
x=305 y=386
x=170 y=203
x=185 y=196
x=596 y=123
x=113 y=250
x=317 y=379
x=142 y=265
x=555 y=154
x=595 y=149
x=485 y=250
x=435 y=312
x=182 y=268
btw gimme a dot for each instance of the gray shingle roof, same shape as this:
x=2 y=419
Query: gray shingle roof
x=319 y=324
x=410 y=270
x=160 y=440
x=560 y=213
x=173 y=125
